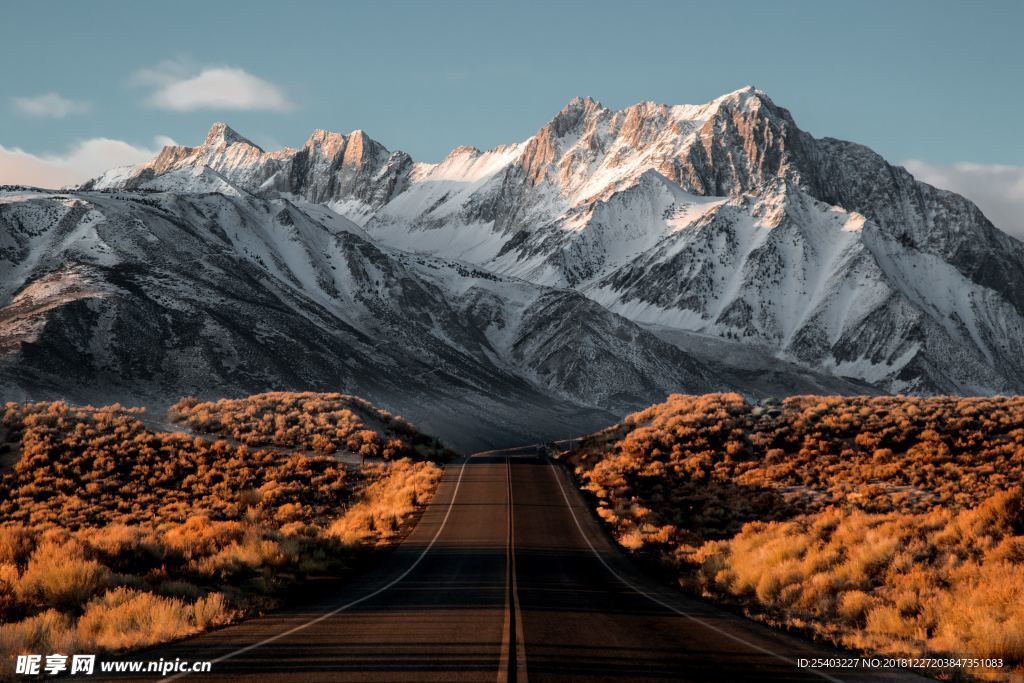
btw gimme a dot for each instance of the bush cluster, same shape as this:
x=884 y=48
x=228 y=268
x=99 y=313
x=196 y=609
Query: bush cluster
x=322 y=423
x=89 y=466
x=113 y=536
x=941 y=582
x=874 y=521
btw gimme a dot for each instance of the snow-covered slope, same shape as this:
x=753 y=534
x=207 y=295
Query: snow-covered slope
x=149 y=296
x=718 y=220
x=826 y=288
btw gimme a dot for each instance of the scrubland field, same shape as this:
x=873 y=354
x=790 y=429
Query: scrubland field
x=890 y=525
x=114 y=535
x=886 y=524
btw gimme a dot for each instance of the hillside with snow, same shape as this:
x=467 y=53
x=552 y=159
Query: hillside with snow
x=148 y=296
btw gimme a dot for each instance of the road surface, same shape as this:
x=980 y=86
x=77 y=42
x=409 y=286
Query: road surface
x=507 y=577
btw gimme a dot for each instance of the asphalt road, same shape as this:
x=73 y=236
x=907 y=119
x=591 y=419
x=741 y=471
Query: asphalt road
x=507 y=577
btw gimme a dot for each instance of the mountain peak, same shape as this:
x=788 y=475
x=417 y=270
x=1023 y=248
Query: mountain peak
x=745 y=97
x=222 y=133
x=321 y=137
x=577 y=110
x=464 y=150
x=581 y=103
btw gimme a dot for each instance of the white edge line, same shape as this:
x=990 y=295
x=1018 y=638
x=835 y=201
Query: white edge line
x=668 y=606
x=338 y=610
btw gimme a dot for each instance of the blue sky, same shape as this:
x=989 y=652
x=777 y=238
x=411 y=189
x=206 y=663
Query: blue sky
x=936 y=82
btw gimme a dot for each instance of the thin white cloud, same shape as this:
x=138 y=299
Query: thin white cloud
x=997 y=189
x=50 y=105
x=85 y=160
x=178 y=87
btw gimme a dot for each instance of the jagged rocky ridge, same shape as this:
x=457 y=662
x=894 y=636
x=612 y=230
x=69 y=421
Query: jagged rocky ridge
x=351 y=168
x=772 y=262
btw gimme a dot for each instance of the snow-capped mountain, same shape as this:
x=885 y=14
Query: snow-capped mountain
x=721 y=219
x=726 y=219
x=611 y=257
